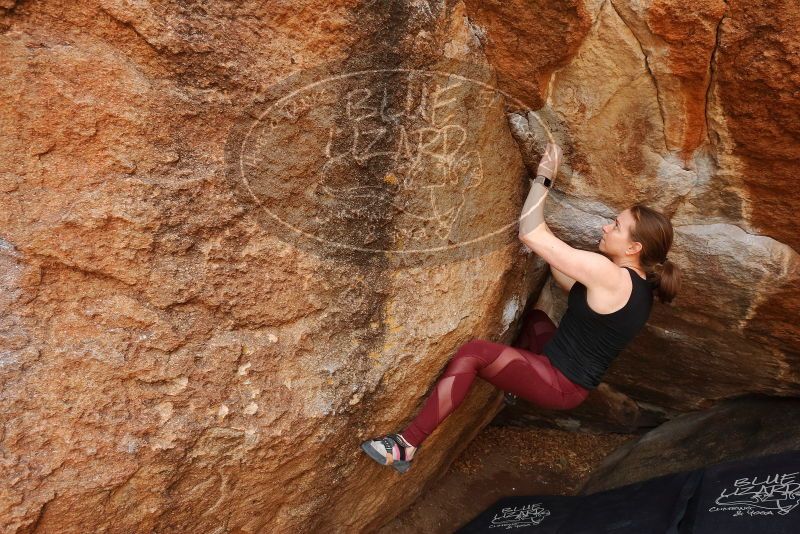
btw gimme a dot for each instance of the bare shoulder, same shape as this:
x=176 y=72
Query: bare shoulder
x=610 y=278
x=610 y=297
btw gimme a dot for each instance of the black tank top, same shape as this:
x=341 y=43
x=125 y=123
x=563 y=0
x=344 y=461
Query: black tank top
x=586 y=342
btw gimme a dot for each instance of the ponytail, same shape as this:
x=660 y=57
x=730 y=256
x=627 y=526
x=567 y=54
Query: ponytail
x=665 y=278
x=654 y=231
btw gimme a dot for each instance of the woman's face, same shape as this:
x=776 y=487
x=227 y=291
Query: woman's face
x=616 y=238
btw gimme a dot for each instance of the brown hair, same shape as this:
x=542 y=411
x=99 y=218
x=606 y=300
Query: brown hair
x=654 y=231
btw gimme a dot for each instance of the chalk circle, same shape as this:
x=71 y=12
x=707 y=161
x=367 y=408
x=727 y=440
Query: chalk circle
x=378 y=164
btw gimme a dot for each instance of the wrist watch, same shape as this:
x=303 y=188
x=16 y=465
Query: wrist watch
x=544 y=180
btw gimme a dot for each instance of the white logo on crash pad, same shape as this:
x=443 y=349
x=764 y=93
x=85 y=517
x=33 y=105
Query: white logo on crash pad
x=760 y=495
x=520 y=516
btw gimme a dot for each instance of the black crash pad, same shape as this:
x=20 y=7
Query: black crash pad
x=757 y=495
x=748 y=497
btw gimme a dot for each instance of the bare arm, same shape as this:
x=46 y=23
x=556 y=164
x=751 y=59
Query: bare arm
x=531 y=220
x=589 y=268
x=563 y=281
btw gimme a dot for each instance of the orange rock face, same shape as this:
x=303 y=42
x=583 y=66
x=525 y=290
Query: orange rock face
x=526 y=41
x=174 y=358
x=689 y=37
x=757 y=78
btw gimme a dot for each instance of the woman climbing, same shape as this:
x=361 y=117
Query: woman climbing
x=610 y=298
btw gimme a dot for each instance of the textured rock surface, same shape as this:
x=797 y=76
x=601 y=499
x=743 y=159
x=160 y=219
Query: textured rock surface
x=526 y=41
x=169 y=364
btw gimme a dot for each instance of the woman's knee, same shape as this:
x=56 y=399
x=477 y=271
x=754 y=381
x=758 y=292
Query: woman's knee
x=468 y=356
x=470 y=348
x=538 y=316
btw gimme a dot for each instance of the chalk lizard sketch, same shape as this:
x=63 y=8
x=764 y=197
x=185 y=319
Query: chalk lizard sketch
x=429 y=172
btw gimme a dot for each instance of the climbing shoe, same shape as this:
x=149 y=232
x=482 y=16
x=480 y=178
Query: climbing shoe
x=388 y=450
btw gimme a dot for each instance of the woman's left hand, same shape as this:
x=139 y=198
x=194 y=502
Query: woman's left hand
x=551 y=160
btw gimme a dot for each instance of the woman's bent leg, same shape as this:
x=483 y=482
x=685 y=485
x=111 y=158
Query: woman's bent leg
x=519 y=371
x=537 y=329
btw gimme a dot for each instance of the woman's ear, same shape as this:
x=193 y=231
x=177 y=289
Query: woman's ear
x=634 y=247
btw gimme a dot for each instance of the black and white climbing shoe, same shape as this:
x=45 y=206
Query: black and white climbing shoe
x=382 y=449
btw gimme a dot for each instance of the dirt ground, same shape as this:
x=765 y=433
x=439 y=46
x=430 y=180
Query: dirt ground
x=505 y=461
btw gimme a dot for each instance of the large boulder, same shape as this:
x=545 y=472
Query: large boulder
x=174 y=359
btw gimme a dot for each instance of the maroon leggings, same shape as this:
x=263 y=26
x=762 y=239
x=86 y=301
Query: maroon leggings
x=520 y=369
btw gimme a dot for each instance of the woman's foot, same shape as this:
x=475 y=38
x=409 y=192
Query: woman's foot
x=391 y=449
